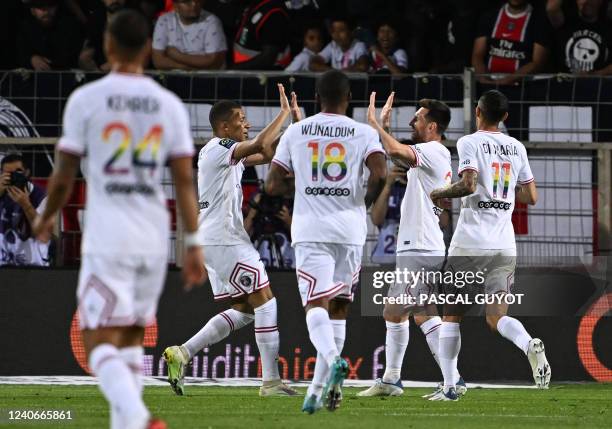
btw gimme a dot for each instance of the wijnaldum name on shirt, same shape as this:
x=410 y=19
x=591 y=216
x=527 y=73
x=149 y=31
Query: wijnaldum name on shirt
x=327 y=131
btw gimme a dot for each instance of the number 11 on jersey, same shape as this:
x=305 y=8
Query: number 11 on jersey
x=506 y=168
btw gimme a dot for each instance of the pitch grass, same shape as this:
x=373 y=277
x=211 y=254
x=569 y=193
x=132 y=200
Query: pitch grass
x=563 y=405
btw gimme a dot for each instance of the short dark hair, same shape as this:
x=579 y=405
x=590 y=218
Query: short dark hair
x=350 y=23
x=438 y=112
x=130 y=30
x=333 y=87
x=493 y=106
x=312 y=25
x=10 y=158
x=222 y=111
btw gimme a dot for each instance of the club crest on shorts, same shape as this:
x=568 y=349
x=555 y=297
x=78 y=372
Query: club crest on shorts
x=244 y=278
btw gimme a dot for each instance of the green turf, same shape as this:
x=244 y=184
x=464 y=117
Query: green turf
x=584 y=405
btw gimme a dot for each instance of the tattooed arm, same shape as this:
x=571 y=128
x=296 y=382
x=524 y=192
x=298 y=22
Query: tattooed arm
x=466 y=186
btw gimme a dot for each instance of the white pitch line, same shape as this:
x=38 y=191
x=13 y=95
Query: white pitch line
x=228 y=382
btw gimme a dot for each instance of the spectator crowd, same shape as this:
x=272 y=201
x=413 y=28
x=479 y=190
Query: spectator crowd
x=504 y=39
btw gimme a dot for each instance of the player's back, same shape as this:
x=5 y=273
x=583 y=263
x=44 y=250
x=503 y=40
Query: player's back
x=126 y=126
x=485 y=221
x=327 y=154
x=220 y=220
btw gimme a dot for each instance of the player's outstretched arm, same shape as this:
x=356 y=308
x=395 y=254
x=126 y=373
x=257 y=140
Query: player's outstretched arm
x=393 y=148
x=275 y=181
x=194 y=272
x=377 y=164
x=58 y=192
x=527 y=194
x=260 y=150
x=466 y=186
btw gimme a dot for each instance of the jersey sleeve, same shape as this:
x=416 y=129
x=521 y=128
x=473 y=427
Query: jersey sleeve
x=424 y=154
x=372 y=144
x=282 y=157
x=466 y=149
x=73 y=130
x=181 y=141
x=525 y=176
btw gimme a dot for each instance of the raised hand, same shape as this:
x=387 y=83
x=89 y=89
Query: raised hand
x=296 y=112
x=372 y=111
x=385 y=113
x=284 y=103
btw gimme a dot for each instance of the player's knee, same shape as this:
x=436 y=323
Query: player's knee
x=338 y=309
x=492 y=322
x=393 y=313
x=452 y=319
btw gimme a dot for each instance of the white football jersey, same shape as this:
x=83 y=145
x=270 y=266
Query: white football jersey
x=220 y=195
x=419 y=223
x=327 y=154
x=485 y=221
x=127 y=126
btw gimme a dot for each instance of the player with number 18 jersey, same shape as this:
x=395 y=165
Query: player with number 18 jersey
x=327 y=153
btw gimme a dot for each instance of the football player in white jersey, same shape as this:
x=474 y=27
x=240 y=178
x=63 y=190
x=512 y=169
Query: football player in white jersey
x=420 y=242
x=327 y=153
x=491 y=166
x=234 y=266
x=126 y=127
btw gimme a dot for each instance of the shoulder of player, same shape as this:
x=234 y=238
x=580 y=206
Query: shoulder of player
x=86 y=97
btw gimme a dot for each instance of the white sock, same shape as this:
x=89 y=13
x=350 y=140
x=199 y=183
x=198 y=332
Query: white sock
x=267 y=338
x=513 y=330
x=132 y=356
x=339 y=327
x=117 y=385
x=398 y=335
x=431 y=329
x=321 y=371
x=321 y=333
x=217 y=329
x=450 y=344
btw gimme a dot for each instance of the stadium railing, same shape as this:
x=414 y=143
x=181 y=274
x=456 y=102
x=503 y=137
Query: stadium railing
x=563 y=120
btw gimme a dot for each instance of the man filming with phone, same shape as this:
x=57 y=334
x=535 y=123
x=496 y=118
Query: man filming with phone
x=20 y=202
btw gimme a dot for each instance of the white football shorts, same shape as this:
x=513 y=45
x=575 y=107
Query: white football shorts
x=327 y=270
x=421 y=268
x=495 y=265
x=120 y=290
x=234 y=270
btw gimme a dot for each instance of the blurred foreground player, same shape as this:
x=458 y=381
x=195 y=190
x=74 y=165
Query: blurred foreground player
x=491 y=166
x=127 y=127
x=420 y=242
x=327 y=153
x=235 y=267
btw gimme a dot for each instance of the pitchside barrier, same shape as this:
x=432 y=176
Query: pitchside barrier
x=40 y=336
x=564 y=121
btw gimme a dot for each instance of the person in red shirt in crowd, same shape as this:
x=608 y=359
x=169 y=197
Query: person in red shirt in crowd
x=513 y=41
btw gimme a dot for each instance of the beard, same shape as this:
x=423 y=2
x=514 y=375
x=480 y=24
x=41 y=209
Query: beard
x=416 y=137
